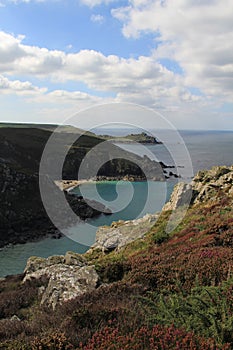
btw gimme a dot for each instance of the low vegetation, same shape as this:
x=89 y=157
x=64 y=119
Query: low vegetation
x=162 y=292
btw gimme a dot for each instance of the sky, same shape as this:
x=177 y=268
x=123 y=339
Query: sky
x=172 y=56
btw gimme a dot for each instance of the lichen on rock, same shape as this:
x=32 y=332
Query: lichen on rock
x=207 y=185
x=68 y=277
x=121 y=233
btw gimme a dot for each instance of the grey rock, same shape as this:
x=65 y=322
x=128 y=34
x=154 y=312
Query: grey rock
x=76 y=259
x=181 y=196
x=121 y=233
x=207 y=185
x=68 y=277
x=211 y=184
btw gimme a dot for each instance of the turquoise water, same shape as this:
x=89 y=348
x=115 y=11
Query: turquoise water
x=206 y=149
x=13 y=259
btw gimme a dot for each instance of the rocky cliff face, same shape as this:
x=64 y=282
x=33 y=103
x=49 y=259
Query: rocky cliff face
x=207 y=185
x=213 y=184
x=22 y=216
x=71 y=275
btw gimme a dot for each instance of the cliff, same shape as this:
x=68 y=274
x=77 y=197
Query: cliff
x=208 y=185
x=143 y=138
x=22 y=216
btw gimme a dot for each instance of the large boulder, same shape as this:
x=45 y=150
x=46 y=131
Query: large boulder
x=68 y=277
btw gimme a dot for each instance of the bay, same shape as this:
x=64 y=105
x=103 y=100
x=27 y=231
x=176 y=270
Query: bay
x=13 y=258
x=206 y=149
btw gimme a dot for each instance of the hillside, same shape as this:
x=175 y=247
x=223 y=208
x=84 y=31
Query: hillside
x=22 y=216
x=161 y=291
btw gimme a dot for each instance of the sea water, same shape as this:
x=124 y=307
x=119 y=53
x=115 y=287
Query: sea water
x=13 y=258
x=206 y=149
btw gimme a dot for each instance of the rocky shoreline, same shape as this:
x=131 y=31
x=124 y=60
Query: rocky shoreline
x=67 y=273
x=135 y=270
x=68 y=185
x=23 y=217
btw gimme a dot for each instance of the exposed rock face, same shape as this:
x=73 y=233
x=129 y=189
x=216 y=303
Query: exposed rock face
x=68 y=277
x=207 y=185
x=211 y=184
x=121 y=233
x=23 y=217
x=181 y=195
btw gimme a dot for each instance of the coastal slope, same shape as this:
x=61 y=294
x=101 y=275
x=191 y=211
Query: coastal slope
x=160 y=291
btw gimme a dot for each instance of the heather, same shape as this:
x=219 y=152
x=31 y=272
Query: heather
x=163 y=291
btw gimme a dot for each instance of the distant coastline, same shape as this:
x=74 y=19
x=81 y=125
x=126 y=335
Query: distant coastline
x=142 y=138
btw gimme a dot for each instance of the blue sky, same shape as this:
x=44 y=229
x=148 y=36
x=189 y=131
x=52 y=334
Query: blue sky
x=59 y=57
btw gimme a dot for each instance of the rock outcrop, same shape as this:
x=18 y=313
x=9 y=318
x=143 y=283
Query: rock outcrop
x=181 y=195
x=68 y=277
x=213 y=184
x=207 y=185
x=121 y=233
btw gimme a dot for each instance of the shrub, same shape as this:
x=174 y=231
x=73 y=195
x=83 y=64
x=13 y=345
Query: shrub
x=208 y=311
x=55 y=341
x=156 y=338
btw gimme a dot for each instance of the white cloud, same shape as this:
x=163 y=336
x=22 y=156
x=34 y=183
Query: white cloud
x=32 y=93
x=143 y=80
x=68 y=97
x=197 y=34
x=97 y=18
x=18 y=87
x=95 y=69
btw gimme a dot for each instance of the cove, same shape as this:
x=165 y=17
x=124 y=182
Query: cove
x=137 y=199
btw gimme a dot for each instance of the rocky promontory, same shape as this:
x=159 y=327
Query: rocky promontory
x=73 y=274
x=121 y=233
x=208 y=185
x=23 y=217
x=142 y=138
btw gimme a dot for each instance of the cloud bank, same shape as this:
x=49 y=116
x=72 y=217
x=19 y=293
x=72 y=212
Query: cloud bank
x=196 y=36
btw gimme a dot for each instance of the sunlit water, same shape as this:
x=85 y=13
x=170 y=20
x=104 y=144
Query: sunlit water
x=205 y=148
x=13 y=259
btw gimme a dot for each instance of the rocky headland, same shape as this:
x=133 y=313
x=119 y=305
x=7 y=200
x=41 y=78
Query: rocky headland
x=23 y=217
x=142 y=138
x=66 y=272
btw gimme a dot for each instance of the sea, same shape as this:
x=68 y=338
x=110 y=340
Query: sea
x=194 y=151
